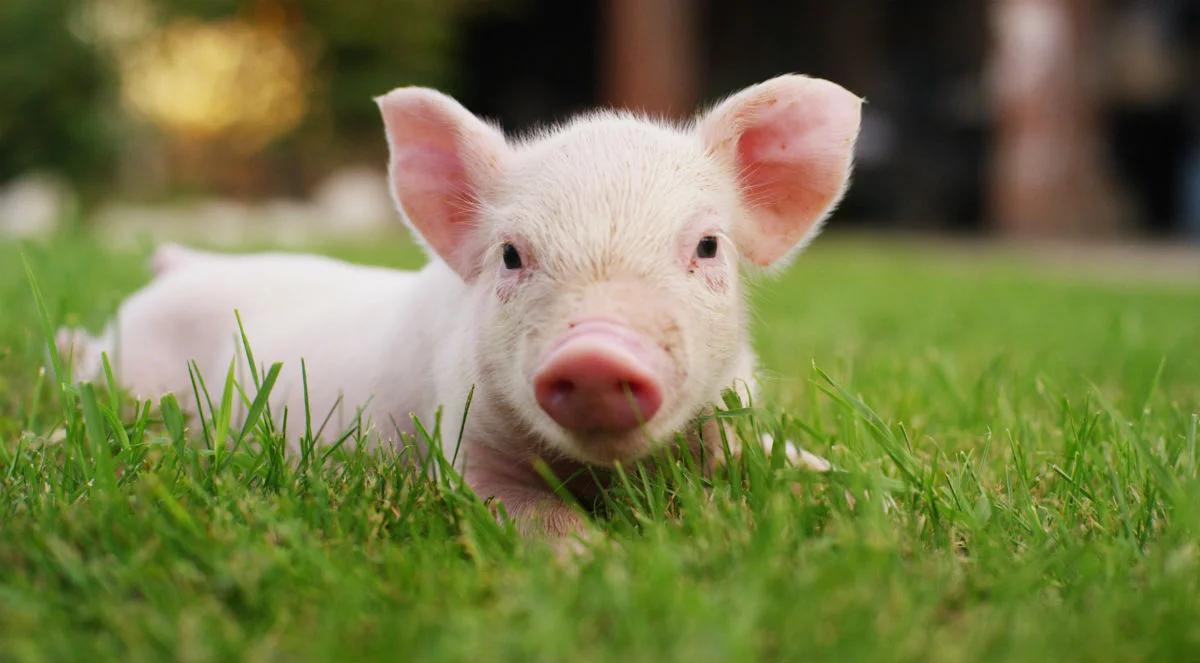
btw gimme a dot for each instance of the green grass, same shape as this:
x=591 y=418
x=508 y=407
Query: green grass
x=1018 y=481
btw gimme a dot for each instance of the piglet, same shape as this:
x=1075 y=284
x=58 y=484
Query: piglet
x=584 y=280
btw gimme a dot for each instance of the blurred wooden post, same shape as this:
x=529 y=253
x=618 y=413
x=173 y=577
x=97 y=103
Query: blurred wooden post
x=1048 y=173
x=651 y=59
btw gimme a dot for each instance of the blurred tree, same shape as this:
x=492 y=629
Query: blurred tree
x=1049 y=174
x=359 y=50
x=56 y=108
x=368 y=48
x=204 y=73
x=184 y=64
x=652 y=56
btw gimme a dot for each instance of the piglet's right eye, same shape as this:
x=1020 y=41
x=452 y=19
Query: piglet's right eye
x=512 y=258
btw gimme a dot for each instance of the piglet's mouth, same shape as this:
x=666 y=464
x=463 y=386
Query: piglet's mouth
x=601 y=379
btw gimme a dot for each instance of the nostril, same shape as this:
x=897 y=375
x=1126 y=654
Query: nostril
x=562 y=387
x=633 y=389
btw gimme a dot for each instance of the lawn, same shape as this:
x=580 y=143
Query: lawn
x=1017 y=480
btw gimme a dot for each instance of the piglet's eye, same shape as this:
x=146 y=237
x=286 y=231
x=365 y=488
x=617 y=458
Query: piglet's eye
x=512 y=259
x=707 y=248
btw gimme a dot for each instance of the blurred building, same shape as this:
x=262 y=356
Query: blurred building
x=1032 y=117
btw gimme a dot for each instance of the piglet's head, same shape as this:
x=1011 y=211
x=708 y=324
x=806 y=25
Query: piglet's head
x=602 y=256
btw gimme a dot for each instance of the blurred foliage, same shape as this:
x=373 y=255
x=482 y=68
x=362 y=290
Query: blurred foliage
x=65 y=66
x=372 y=47
x=359 y=49
x=191 y=78
x=57 y=105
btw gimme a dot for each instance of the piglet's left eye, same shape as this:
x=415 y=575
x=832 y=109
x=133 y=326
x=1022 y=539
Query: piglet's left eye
x=512 y=258
x=707 y=248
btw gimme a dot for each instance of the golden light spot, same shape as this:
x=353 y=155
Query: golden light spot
x=232 y=80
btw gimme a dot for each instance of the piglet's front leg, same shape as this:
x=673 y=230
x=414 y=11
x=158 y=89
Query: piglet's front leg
x=512 y=480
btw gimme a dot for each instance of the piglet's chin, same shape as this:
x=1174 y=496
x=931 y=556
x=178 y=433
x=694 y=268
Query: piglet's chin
x=607 y=451
x=601 y=381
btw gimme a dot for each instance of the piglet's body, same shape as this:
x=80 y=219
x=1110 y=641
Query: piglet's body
x=369 y=337
x=585 y=282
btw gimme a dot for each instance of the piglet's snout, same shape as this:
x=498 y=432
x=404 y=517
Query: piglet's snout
x=600 y=377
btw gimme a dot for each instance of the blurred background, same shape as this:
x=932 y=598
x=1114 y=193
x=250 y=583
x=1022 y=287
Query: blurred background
x=223 y=119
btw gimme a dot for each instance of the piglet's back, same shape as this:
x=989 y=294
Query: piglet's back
x=293 y=307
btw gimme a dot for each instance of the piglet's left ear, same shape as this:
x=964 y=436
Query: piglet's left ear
x=790 y=143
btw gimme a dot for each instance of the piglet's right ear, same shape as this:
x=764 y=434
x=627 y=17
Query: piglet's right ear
x=789 y=142
x=443 y=161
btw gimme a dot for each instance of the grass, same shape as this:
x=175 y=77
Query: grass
x=1018 y=480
